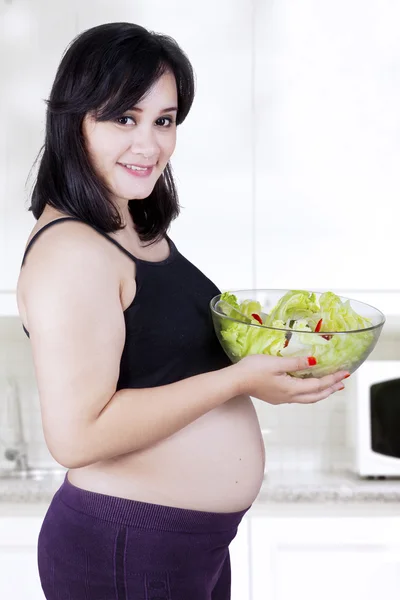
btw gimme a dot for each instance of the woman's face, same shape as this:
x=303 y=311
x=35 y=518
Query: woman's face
x=143 y=138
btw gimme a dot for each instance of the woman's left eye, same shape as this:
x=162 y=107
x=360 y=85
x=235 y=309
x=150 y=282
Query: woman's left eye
x=165 y=121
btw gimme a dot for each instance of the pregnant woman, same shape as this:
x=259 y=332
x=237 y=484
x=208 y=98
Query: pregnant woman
x=155 y=426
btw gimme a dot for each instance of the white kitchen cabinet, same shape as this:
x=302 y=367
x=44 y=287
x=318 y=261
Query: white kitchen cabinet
x=273 y=557
x=325 y=557
x=33 y=37
x=326 y=144
x=19 y=577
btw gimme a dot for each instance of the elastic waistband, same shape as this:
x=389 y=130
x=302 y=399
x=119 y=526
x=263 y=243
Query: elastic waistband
x=144 y=515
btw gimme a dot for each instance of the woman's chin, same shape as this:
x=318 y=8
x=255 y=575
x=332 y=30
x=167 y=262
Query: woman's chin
x=126 y=195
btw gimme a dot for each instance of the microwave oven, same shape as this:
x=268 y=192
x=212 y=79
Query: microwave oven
x=376 y=419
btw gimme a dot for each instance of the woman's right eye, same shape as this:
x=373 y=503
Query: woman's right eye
x=122 y=118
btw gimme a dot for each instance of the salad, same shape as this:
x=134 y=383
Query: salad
x=299 y=325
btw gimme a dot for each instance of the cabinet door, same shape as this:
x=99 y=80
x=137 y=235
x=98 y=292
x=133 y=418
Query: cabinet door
x=333 y=558
x=3 y=155
x=19 y=577
x=326 y=144
x=33 y=37
x=240 y=565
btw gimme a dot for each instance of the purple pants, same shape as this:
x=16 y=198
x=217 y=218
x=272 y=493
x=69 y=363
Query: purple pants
x=98 y=547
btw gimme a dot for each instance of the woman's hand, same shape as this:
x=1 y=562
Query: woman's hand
x=266 y=378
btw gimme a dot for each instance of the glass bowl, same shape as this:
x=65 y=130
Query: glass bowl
x=334 y=350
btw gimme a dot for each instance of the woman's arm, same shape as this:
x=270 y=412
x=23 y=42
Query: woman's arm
x=77 y=332
x=136 y=418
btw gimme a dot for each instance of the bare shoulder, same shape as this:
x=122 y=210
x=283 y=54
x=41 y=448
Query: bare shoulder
x=73 y=249
x=58 y=235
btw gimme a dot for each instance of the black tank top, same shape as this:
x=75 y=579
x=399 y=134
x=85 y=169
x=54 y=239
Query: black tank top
x=169 y=329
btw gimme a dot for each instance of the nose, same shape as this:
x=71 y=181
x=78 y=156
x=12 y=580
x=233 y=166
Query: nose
x=144 y=142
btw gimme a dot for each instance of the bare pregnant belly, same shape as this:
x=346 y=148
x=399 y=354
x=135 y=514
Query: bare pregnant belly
x=214 y=464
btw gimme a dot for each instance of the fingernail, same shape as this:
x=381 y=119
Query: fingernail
x=341 y=387
x=346 y=376
x=312 y=361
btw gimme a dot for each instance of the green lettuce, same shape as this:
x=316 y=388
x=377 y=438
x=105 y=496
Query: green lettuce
x=297 y=311
x=295 y=305
x=242 y=340
x=339 y=316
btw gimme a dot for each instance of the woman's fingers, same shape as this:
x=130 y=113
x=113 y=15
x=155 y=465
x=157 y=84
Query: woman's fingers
x=314 y=385
x=317 y=396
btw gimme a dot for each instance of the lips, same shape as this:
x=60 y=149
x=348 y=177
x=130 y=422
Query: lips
x=145 y=171
x=135 y=165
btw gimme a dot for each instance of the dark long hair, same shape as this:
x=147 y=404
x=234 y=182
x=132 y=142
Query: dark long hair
x=106 y=70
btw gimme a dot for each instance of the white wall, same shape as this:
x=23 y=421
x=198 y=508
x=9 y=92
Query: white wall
x=287 y=165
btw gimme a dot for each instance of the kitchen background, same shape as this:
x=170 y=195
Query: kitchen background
x=288 y=174
x=287 y=166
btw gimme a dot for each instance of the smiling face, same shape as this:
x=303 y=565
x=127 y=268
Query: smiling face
x=143 y=138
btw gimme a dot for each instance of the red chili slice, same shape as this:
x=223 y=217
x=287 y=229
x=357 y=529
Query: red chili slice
x=328 y=337
x=319 y=325
x=257 y=317
x=286 y=343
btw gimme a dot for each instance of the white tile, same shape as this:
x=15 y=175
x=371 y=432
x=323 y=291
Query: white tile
x=308 y=459
x=289 y=458
x=272 y=459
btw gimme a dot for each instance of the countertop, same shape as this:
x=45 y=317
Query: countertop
x=341 y=487
x=315 y=486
